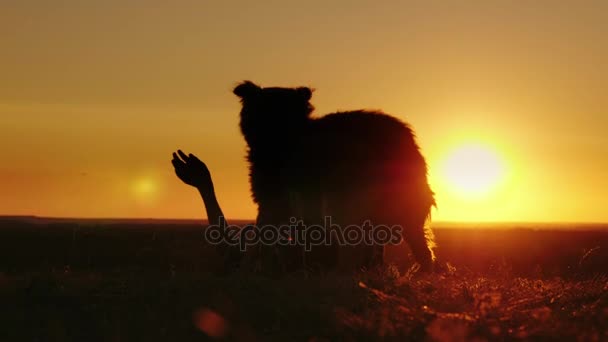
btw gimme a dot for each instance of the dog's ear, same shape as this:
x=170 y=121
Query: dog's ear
x=246 y=89
x=305 y=93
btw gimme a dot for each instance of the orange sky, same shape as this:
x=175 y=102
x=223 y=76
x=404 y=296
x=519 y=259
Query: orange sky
x=94 y=96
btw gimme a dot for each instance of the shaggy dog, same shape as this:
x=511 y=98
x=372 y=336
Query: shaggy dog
x=353 y=167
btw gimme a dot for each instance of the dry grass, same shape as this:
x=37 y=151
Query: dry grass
x=156 y=294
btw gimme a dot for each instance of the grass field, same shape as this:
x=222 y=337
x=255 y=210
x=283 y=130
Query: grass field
x=133 y=281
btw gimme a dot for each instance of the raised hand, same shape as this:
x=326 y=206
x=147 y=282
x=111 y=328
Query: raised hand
x=192 y=171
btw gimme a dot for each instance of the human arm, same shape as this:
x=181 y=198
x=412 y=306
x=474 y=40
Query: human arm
x=192 y=171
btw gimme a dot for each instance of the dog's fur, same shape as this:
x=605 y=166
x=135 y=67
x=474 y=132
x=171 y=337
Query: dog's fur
x=354 y=166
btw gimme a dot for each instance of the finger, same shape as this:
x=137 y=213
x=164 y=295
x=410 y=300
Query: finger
x=183 y=155
x=199 y=164
x=195 y=158
x=178 y=164
x=176 y=159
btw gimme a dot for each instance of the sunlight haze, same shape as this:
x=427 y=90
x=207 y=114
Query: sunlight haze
x=94 y=98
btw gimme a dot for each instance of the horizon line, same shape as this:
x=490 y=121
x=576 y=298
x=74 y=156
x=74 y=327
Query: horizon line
x=50 y=218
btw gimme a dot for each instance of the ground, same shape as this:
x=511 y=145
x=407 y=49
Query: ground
x=127 y=282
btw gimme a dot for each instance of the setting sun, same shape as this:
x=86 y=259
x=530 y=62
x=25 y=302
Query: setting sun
x=473 y=170
x=477 y=179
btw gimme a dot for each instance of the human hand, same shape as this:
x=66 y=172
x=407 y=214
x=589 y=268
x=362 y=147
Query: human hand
x=192 y=171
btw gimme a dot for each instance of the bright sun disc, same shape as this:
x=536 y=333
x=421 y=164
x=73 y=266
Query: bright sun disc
x=473 y=170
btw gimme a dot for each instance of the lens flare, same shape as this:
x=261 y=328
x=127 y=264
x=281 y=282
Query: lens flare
x=145 y=190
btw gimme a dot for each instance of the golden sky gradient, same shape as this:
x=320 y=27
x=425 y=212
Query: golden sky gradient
x=95 y=95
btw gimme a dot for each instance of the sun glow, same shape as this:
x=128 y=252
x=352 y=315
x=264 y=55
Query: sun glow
x=478 y=179
x=473 y=170
x=145 y=190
